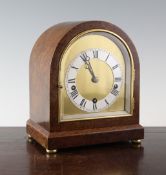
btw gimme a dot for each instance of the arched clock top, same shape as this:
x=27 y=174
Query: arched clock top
x=84 y=79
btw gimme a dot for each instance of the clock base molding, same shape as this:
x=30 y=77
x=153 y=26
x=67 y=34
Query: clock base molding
x=75 y=138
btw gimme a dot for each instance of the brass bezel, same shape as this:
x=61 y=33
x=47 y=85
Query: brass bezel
x=132 y=75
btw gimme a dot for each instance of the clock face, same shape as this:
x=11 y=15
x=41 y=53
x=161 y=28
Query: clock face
x=95 y=77
x=86 y=65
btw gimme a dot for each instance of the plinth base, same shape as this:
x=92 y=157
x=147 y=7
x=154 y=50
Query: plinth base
x=75 y=138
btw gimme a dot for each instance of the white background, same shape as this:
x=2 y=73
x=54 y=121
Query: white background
x=22 y=21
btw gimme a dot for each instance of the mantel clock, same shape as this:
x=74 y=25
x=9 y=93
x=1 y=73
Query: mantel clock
x=84 y=86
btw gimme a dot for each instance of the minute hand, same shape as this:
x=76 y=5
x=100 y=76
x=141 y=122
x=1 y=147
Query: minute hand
x=94 y=78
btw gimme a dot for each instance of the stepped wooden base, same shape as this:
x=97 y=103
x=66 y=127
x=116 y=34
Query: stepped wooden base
x=66 y=139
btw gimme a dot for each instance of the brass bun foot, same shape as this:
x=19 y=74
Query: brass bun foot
x=29 y=138
x=52 y=151
x=136 y=141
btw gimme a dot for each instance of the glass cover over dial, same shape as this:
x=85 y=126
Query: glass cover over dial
x=96 y=77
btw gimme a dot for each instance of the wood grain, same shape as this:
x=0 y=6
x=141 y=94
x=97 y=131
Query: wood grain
x=44 y=73
x=18 y=157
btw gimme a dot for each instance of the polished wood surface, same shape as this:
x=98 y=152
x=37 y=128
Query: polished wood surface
x=18 y=157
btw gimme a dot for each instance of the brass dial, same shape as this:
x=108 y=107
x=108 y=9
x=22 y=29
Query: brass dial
x=94 y=79
x=102 y=78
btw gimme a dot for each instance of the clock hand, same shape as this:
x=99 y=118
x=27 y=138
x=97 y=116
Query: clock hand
x=94 y=78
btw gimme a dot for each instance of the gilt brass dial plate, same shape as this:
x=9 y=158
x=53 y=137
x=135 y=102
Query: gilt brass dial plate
x=102 y=78
x=76 y=75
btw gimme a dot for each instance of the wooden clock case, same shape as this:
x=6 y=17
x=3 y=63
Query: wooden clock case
x=43 y=125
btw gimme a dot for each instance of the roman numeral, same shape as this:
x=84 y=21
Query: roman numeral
x=114 y=92
x=94 y=106
x=117 y=79
x=73 y=80
x=107 y=57
x=83 y=102
x=95 y=53
x=85 y=57
x=74 y=94
x=74 y=67
x=114 y=67
x=106 y=102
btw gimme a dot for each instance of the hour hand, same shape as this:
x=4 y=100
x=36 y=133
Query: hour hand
x=86 y=59
x=94 y=79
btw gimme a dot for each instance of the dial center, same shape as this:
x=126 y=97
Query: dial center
x=99 y=85
x=94 y=79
